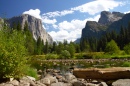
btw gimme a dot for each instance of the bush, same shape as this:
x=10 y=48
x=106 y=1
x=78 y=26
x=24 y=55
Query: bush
x=126 y=64
x=65 y=54
x=127 y=49
x=51 y=56
x=112 y=48
x=13 y=54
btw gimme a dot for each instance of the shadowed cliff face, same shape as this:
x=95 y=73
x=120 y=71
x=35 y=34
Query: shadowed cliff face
x=35 y=26
x=107 y=22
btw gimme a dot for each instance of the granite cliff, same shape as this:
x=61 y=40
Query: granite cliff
x=34 y=24
x=108 y=21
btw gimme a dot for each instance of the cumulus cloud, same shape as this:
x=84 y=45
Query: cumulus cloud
x=70 y=30
x=35 y=13
x=97 y=6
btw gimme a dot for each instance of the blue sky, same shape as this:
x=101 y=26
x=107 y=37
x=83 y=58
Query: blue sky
x=62 y=19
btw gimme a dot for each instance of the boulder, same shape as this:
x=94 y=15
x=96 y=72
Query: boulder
x=28 y=80
x=51 y=78
x=70 y=77
x=14 y=82
x=45 y=81
x=121 y=82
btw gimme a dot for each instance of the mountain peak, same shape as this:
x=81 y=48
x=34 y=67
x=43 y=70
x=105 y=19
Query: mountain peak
x=34 y=24
x=109 y=17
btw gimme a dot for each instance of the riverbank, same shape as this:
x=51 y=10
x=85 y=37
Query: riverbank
x=56 y=78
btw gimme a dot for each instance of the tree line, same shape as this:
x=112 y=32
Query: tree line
x=40 y=47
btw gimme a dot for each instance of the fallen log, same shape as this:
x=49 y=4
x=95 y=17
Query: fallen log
x=105 y=74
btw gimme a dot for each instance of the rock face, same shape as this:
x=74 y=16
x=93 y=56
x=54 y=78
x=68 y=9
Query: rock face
x=93 y=29
x=107 y=22
x=108 y=17
x=35 y=26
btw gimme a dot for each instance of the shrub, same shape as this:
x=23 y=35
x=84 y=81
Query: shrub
x=65 y=54
x=51 y=56
x=127 y=49
x=112 y=47
x=126 y=64
x=12 y=54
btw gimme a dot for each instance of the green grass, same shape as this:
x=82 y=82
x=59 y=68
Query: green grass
x=32 y=72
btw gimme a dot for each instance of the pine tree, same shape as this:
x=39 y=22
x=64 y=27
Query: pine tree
x=19 y=26
x=46 y=48
x=29 y=39
x=14 y=26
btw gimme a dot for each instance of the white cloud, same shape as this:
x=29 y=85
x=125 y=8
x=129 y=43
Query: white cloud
x=70 y=30
x=57 y=13
x=35 y=13
x=97 y=6
x=48 y=21
x=126 y=12
x=92 y=8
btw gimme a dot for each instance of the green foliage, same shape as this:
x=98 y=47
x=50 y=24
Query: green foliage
x=65 y=54
x=19 y=26
x=29 y=41
x=12 y=54
x=126 y=64
x=32 y=72
x=46 y=48
x=84 y=45
x=59 y=48
x=71 y=49
x=39 y=47
x=112 y=47
x=51 y=56
x=127 y=48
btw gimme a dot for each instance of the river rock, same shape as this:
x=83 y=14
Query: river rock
x=38 y=83
x=70 y=77
x=121 y=82
x=79 y=83
x=24 y=83
x=45 y=81
x=51 y=78
x=27 y=80
x=103 y=84
x=15 y=82
x=60 y=84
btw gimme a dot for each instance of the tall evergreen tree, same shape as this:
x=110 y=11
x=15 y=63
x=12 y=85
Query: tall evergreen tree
x=29 y=39
x=19 y=26
x=46 y=48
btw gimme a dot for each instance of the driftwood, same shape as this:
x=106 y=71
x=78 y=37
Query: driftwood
x=105 y=74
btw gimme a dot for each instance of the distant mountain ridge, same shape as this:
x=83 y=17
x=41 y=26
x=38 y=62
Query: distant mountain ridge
x=35 y=26
x=107 y=22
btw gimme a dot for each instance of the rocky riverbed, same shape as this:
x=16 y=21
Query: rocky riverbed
x=56 y=78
